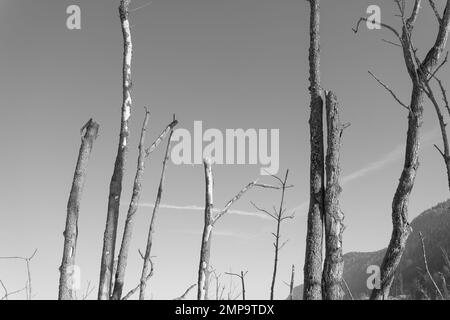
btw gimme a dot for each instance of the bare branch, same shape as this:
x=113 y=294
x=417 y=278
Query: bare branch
x=263 y=210
x=436 y=13
x=390 y=91
x=426 y=267
x=183 y=296
x=135 y=289
x=384 y=25
x=161 y=137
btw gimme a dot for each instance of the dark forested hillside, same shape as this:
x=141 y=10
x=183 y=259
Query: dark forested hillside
x=411 y=280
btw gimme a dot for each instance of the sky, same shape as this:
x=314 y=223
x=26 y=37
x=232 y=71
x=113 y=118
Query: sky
x=230 y=64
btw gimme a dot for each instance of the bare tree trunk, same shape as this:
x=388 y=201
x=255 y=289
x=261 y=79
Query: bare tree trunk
x=291 y=285
x=73 y=209
x=115 y=188
x=401 y=228
x=314 y=237
x=334 y=225
x=132 y=209
x=205 y=251
x=420 y=72
x=147 y=265
x=210 y=220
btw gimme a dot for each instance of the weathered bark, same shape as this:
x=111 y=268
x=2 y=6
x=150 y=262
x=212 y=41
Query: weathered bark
x=115 y=188
x=334 y=225
x=401 y=228
x=419 y=71
x=147 y=256
x=314 y=237
x=132 y=209
x=205 y=251
x=73 y=210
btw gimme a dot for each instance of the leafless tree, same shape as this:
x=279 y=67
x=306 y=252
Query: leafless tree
x=419 y=71
x=291 y=284
x=115 y=188
x=132 y=209
x=333 y=219
x=28 y=286
x=279 y=215
x=211 y=218
x=241 y=276
x=314 y=237
x=134 y=203
x=73 y=209
x=147 y=265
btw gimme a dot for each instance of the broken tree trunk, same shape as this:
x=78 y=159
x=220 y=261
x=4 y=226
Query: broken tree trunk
x=205 y=251
x=210 y=219
x=132 y=209
x=73 y=208
x=313 y=255
x=334 y=225
x=146 y=268
x=291 y=284
x=115 y=188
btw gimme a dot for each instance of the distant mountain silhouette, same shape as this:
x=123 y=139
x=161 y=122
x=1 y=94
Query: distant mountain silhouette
x=411 y=281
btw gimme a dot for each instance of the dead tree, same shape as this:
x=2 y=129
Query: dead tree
x=7 y=294
x=147 y=265
x=314 y=237
x=211 y=218
x=419 y=71
x=115 y=187
x=73 y=209
x=333 y=219
x=279 y=215
x=241 y=276
x=134 y=203
x=132 y=209
x=28 y=286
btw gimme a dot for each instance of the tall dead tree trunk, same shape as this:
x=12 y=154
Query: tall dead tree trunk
x=334 y=218
x=314 y=237
x=205 y=251
x=73 y=209
x=211 y=218
x=115 y=188
x=132 y=209
x=146 y=268
x=134 y=203
x=419 y=72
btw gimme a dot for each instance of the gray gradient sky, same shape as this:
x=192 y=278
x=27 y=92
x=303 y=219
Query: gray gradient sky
x=231 y=64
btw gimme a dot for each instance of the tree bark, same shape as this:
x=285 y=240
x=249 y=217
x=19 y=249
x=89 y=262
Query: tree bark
x=419 y=73
x=146 y=268
x=314 y=237
x=115 y=188
x=73 y=209
x=205 y=251
x=334 y=226
x=132 y=209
